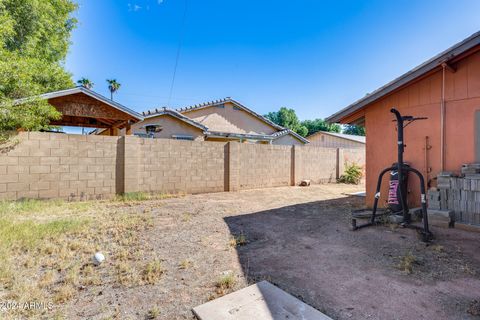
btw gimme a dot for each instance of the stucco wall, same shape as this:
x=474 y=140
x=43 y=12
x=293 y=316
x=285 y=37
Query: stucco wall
x=170 y=126
x=287 y=140
x=229 y=119
x=325 y=140
x=422 y=99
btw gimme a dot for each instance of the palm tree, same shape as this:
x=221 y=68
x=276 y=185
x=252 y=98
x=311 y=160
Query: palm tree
x=86 y=83
x=113 y=86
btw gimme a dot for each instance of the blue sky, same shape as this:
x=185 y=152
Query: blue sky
x=313 y=56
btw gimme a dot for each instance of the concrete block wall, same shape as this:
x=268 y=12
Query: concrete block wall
x=263 y=166
x=166 y=165
x=76 y=167
x=53 y=165
x=317 y=164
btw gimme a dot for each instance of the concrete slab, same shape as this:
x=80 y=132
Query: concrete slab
x=261 y=301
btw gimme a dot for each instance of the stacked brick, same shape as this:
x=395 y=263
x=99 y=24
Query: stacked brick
x=459 y=194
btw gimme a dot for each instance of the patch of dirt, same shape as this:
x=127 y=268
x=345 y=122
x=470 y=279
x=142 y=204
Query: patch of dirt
x=297 y=238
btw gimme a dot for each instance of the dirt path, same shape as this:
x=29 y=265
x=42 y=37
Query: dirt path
x=298 y=239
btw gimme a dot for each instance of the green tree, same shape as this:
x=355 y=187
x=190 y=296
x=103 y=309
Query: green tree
x=287 y=118
x=113 y=86
x=320 y=125
x=86 y=83
x=354 y=129
x=34 y=40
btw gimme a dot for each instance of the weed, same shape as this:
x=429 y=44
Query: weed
x=352 y=174
x=239 y=240
x=153 y=313
x=134 y=196
x=47 y=279
x=64 y=293
x=225 y=282
x=407 y=262
x=152 y=272
x=142 y=196
x=126 y=274
x=437 y=248
x=185 y=264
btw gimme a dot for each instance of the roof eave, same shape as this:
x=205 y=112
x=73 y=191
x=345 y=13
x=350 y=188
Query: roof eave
x=93 y=94
x=426 y=67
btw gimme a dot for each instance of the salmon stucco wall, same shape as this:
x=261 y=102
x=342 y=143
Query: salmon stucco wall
x=423 y=99
x=170 y=126
x=229 y=119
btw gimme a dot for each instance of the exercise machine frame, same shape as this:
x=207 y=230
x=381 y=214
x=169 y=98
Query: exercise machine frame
x=401 y=168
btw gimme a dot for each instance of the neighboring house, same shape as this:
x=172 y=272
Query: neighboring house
x=221 y=120
x=336 y=140
x=446 y=89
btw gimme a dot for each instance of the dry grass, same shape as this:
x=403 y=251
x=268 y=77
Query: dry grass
x=152 y=272
x=239 y=240
x=185 y=264
x=142 y=196
x=55 y=241
x=225 y=283
x=407 y=262
x=153 y=313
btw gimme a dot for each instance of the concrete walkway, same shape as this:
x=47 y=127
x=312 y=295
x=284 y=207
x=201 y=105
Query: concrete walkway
x=261 y=301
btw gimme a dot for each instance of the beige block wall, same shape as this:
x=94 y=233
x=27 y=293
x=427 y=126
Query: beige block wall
x=179 y=166
x=77 y=167
x=316 y=164
x=54 y=165
x=263 y=166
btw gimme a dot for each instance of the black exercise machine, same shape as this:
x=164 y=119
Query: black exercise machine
x=402 y=171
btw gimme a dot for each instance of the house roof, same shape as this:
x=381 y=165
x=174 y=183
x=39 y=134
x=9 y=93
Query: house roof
x=239 y=135
x=164 y=111
x=415 y=73
x=288 y=131
x=93 y=94
x=179 y=113
x=360 y=139
x=235 y=103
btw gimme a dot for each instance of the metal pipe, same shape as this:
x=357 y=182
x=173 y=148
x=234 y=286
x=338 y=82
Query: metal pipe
x=442 y=122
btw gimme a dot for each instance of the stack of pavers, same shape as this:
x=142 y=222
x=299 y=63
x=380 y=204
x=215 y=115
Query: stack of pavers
x=459 y=195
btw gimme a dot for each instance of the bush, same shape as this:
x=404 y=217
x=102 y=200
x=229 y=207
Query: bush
x=352 y=175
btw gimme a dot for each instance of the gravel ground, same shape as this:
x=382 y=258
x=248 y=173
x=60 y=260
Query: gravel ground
x=297 y=238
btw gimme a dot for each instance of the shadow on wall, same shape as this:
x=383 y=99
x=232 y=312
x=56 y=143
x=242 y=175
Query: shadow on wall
x=308 y=250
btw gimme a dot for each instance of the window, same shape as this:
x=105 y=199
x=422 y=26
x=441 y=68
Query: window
x=220 y=106
x=182 y=137
x=236 y=108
